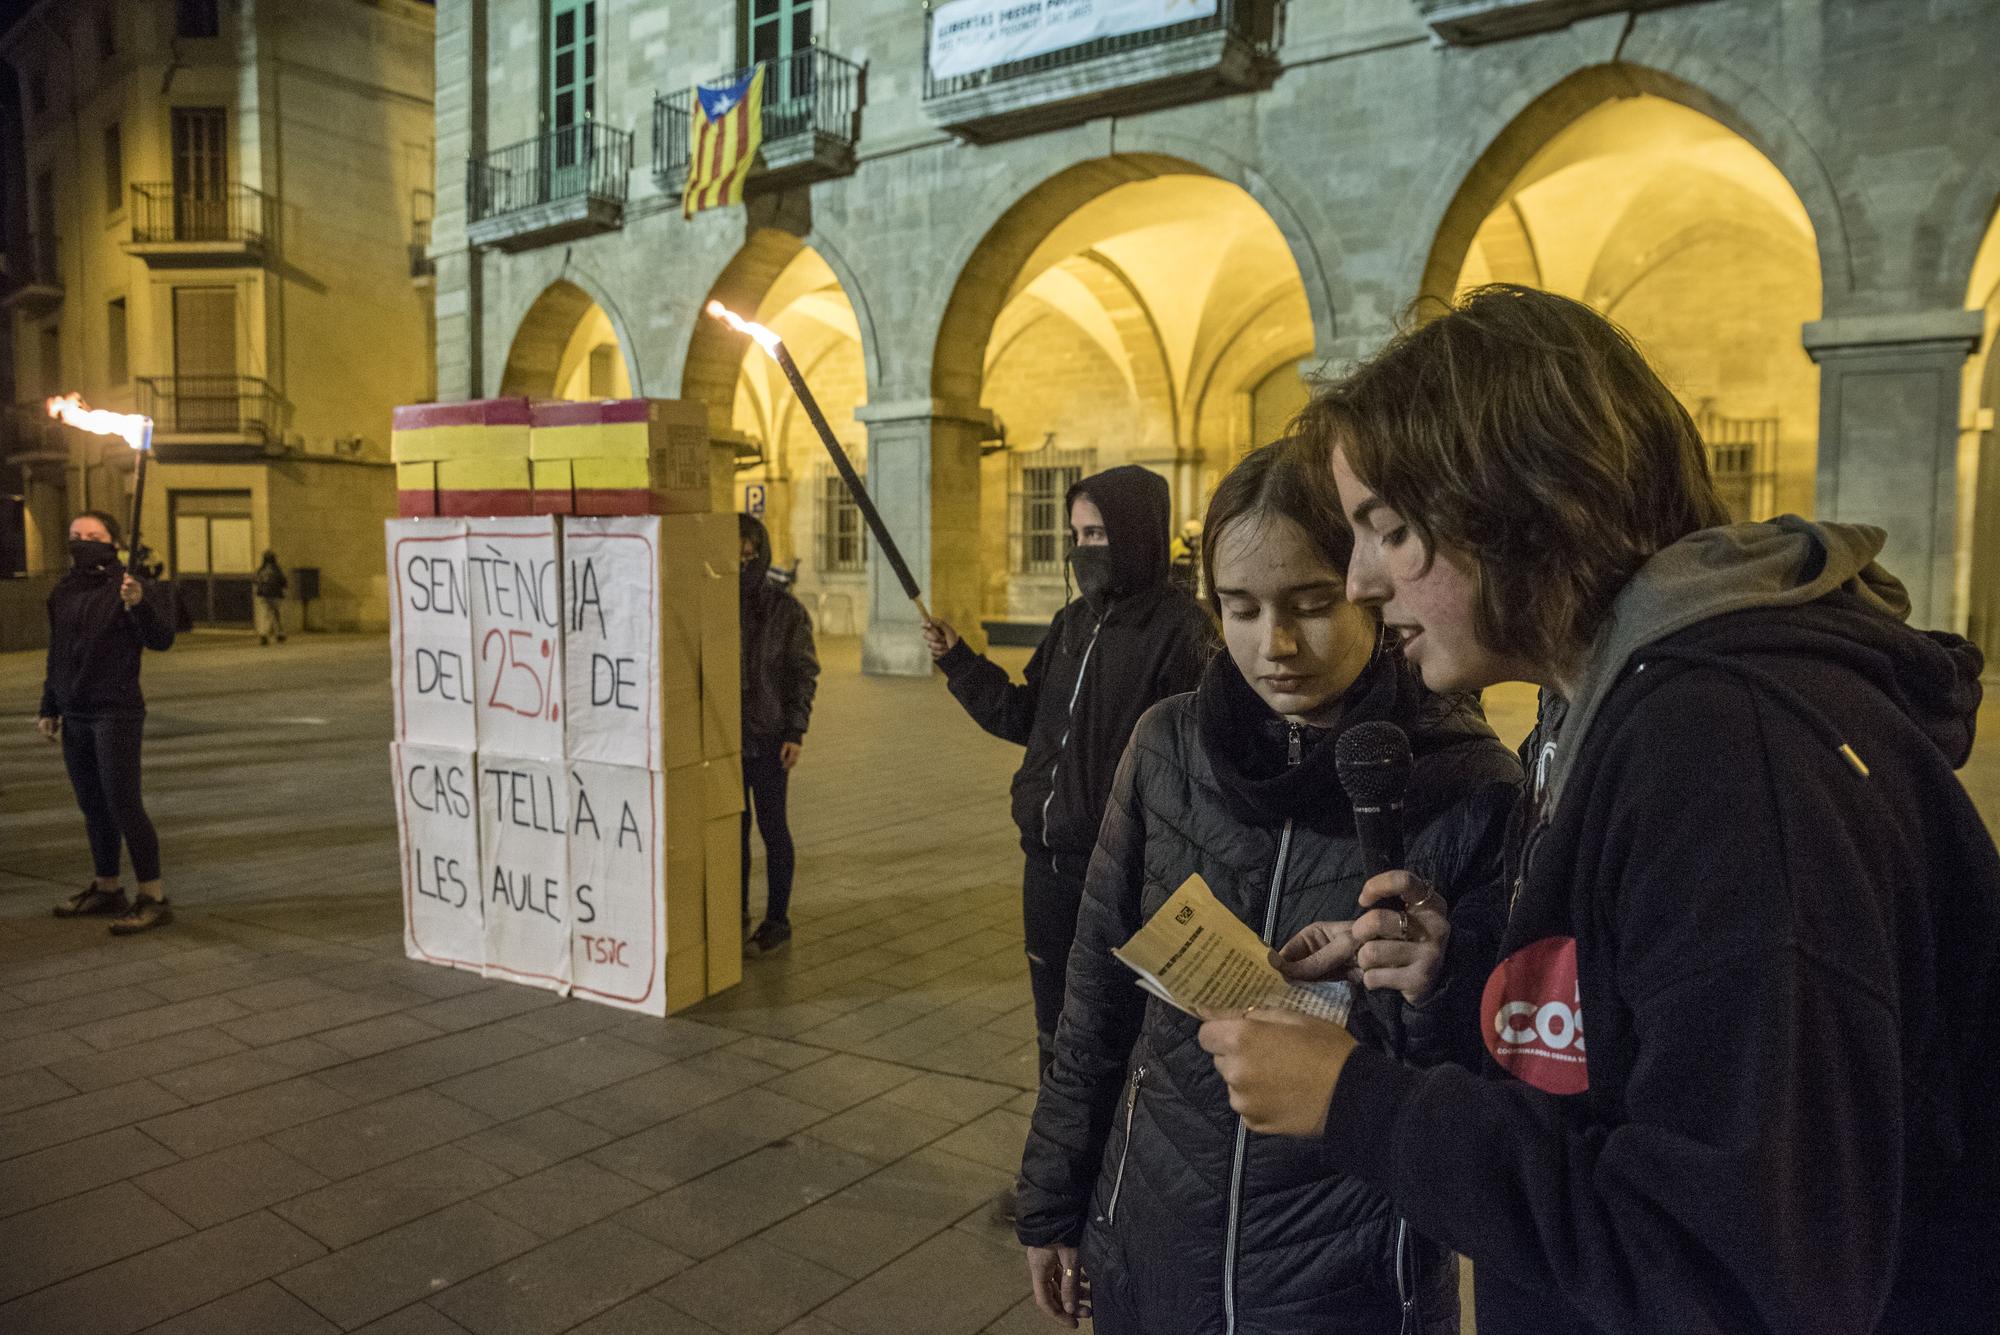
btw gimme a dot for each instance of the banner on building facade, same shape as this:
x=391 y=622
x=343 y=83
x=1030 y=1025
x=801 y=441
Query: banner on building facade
x=972 y=35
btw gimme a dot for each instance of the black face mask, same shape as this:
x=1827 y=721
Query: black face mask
x=1093 y=572
x=90 y=554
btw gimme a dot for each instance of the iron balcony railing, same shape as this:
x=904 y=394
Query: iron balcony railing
x=27 y=428
x=165 y=213
x=809 y=91
x=589 y=160
x=211 y=404
x=1250 y=20
x=35 y=264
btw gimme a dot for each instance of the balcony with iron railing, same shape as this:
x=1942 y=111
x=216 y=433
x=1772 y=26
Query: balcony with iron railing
x=1469 y=22
x=174 y=225
x=423 y=269
x=1232 y=49
x=29 y=435
x=226 y=411
x=33 y=281
x=812 y=103
x=423 y=208
x=558 y=186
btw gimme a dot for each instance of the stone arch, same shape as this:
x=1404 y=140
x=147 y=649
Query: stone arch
x=708 y=372
x=1979 y=448
x=1972 y=220
x=1014 y=217
x=542 y=329
x=1483 y=175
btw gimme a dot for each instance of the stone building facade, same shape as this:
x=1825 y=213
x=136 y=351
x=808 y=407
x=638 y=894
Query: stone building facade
x=212 y=216
x=1133 y=248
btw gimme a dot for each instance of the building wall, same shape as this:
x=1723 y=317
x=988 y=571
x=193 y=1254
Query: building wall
x=1376 y=153
x=329 y=114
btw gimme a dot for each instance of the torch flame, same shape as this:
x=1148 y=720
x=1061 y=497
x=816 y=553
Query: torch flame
x=766 y=340
x=71 y=410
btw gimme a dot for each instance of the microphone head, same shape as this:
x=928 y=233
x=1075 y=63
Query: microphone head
x=1373 y=761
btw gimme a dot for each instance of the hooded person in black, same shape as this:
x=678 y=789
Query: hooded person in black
x=780 y=677
x=101 y=618
x=1130 y=638
x=1738 y=1060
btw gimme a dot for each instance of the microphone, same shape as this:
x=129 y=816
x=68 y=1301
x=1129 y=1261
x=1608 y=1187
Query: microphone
x=1373 y=761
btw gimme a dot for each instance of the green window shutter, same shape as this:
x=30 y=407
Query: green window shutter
x=572 y=62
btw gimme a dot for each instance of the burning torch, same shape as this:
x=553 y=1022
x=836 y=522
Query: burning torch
x=135 y=430
x=772 y=344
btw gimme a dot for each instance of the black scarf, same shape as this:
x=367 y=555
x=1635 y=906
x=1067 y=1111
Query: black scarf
x=1246 y=743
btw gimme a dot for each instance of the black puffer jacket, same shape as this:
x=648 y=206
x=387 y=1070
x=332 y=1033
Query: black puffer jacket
x=95 y=643
x=1133 y=1147
x=780 y=669
x=1096 y=671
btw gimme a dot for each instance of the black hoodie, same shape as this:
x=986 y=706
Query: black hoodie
x=1096 y=671
x=1761 y=891
x=780 y=669
x=95 y=643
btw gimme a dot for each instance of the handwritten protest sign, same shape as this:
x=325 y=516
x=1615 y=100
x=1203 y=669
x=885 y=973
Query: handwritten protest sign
x=619 y=933
x=525 y=810
x=430 y=632
x=515 y=587
x=438 y=820
x=611 y=640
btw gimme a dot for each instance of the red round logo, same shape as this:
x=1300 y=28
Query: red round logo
x=1531 y=1016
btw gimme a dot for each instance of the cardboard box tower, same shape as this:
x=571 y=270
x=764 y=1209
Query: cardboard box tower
x=568 y=696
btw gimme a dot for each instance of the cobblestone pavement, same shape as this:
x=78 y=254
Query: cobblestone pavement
x=265 y=1120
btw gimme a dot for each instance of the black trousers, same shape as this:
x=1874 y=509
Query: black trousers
x=102 y=756
x=1049 y=905
x=764 y=784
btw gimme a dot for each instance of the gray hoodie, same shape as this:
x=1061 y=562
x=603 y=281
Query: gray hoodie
x=1784 y=562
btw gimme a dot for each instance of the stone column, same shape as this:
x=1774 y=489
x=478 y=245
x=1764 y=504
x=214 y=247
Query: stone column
x=923 y=472
x=1888 y=441
x=461 y=134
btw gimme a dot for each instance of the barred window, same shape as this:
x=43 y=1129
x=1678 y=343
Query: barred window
x=1743 y=460
x=839 y=535
x=1038 y=528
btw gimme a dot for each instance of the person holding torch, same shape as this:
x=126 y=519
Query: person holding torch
x=1132 y=637
x=101 y=618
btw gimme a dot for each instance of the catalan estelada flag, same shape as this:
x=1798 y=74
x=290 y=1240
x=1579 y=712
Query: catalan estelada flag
x=723 y=136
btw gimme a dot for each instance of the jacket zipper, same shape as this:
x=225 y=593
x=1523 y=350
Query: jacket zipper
x=1406 y=1284
x=1294 y=744
x=1069 y=721
x=1125 y=1151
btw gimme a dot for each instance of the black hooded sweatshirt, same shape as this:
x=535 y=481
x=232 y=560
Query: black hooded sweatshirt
x=1096 y=671
x=780 y=669
x=1751 y=877
x=94 y=644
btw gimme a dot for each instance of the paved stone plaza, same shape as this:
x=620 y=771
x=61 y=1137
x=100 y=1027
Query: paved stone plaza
x=264 y=1120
